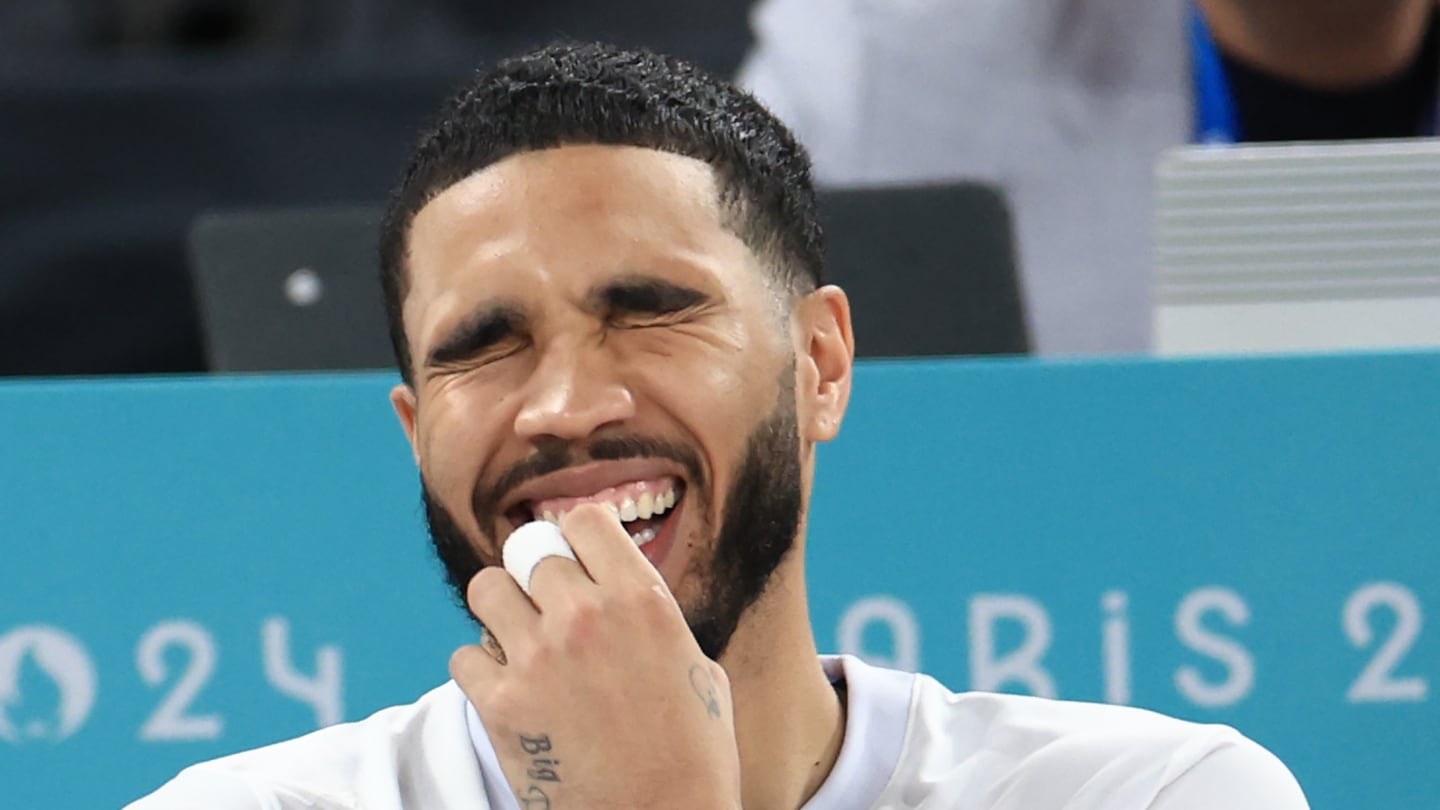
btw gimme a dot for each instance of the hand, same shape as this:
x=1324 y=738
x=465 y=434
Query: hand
x=604 y=699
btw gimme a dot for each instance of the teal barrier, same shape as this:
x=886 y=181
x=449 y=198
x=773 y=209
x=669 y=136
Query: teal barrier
x=199 y=566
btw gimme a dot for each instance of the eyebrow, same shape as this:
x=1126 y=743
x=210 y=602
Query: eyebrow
x=644 y=295
x=484 y=328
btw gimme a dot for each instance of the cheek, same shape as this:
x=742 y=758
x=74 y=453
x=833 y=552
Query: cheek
x=710 y=398
x=716 y=371
x=456 y=440
x=717 y=403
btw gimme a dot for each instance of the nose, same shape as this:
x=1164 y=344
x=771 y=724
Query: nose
x=572 y=393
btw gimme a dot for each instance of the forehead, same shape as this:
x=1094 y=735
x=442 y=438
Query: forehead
x=567 y=209
x=579 y=179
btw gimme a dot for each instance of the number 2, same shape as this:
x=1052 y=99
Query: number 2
x=1377 y=682
x=170 y=720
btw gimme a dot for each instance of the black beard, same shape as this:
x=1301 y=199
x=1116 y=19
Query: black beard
x=761 y=520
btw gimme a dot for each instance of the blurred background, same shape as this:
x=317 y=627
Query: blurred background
x=126 y=119
x=191 y=188
x=1093 y=219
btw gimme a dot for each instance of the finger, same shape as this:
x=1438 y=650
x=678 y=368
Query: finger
x=496 y=601
x=555 y=581
x=492 y=646
x=607 y=551
x=476 y=672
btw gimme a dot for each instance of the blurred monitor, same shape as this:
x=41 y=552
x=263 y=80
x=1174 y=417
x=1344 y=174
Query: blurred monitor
x=930 y=271
x=1298 y=247
x=290 y=289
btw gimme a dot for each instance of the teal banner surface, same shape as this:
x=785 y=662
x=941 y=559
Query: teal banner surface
x=194 y=567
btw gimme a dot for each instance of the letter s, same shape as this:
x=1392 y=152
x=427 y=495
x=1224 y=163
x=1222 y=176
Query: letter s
x=1237 y=660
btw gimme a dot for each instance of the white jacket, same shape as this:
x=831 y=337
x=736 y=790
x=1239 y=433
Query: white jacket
x=910 y=744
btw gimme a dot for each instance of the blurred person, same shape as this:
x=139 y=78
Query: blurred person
x=1066 y=104
x=603 y=273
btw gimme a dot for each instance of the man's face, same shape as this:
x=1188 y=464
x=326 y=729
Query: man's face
x=584 y=327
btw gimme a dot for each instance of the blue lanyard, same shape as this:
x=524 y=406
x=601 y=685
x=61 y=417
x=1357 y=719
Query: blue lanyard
x=1216 y=121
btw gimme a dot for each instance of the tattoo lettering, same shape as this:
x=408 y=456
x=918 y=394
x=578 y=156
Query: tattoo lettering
x=542 y=769
x=704 y=687
x=535 y=745
x=534 y=799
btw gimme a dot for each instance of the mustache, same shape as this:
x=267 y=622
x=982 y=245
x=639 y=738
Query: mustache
x=553 y=456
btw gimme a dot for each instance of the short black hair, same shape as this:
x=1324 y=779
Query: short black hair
x=592 y=93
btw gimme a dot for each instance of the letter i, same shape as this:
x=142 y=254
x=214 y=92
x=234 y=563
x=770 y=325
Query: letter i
x=1115 y=643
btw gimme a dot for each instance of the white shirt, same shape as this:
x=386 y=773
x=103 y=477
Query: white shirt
x=1063 y=104
x=910 y=744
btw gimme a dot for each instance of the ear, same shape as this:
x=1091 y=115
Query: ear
x=402 y=399
x=826 y=354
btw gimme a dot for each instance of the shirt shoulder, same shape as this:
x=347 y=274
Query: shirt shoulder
x=983 y=751
x=411 y=756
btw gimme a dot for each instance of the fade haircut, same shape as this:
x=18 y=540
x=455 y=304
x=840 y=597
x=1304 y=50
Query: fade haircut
x=599 y=94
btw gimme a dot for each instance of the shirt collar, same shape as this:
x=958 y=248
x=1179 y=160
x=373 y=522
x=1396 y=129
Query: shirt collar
x=877 y=718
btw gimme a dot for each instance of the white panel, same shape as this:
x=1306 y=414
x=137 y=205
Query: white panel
x=1298 y=247
x=1293 y=326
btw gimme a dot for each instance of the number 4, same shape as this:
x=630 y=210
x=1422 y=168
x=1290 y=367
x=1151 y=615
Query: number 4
x=323 y=692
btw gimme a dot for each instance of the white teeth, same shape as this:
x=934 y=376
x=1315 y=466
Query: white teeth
x=649 y=505
x=663 y=502
x=643 y=536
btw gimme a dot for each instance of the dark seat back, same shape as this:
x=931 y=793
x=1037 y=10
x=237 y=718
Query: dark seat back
x=103 y=176
x=930 y=270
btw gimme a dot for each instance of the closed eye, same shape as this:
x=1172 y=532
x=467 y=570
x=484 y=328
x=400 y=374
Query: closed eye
x=636 y=320
x=644 y=301
x=487 y=335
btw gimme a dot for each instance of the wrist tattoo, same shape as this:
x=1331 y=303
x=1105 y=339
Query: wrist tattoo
x=704 y=687
x=542 y=771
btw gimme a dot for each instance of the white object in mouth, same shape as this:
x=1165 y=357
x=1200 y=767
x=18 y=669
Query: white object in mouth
x=528 y=545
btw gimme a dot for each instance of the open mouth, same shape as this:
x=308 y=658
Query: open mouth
x=643 y=507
